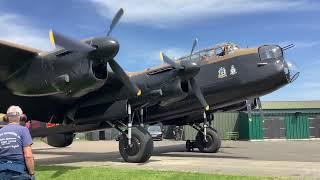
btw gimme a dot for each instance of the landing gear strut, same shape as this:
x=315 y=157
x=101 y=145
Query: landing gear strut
x=135 y=142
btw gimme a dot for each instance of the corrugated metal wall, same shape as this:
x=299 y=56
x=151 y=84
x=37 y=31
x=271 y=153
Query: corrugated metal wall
x=250 y=129
x=297 y=126
x=223 y=122
x=226 y=122
x=108 y=134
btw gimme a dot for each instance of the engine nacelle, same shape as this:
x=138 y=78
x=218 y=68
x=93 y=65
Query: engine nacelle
x=174 y=92
x=59 y=140
x=72 y=76
x=84 y=78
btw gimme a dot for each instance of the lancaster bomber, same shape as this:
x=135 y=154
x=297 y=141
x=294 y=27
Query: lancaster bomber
x=81 y=86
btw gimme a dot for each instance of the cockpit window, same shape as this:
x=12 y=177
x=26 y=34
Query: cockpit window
x=270 y=52
x=226 y=48
x=220 y=52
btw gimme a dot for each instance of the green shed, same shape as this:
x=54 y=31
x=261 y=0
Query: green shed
x=281 y=120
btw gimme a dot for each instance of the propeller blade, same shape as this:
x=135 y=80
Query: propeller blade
x=58 y=39
x=260 y=108
x=197 y=91
x=195 y=43
x=116 y=68
x=248 y=102
x=115 y=20
x=169 y=61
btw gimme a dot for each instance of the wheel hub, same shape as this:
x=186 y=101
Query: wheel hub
x=133 y=148
x=207 y=142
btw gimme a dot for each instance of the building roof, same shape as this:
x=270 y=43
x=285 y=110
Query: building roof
x=277 y=105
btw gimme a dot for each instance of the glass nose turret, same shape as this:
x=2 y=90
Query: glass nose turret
x=291 y=70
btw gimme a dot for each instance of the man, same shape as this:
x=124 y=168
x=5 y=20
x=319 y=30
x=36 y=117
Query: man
x=16 y=159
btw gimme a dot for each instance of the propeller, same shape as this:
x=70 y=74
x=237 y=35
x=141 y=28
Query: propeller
x=116 y=68
x=115 y=20
x=195 y=43
x=249 y=107
x=260 y=108
x=169 y=61
x=187 y=70
x=60 y=40
x=110 y=45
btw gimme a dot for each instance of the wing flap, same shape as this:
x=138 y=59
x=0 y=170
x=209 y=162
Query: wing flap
x=13 y=57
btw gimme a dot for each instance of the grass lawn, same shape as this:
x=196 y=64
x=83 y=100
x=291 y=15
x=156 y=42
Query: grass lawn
x=79 y=173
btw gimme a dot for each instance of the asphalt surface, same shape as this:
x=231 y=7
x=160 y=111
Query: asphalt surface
x=277 y=158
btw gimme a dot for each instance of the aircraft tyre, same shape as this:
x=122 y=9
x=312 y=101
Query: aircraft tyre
x=213 y=143
x=219 y=141
x=141 y=146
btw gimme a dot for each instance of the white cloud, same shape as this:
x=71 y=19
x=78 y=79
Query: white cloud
x=164 y=12
x=17 y=29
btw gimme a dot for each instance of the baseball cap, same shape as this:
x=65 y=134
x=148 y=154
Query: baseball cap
x=14 y=111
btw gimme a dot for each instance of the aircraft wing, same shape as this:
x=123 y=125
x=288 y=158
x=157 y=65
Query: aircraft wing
x=13 y=57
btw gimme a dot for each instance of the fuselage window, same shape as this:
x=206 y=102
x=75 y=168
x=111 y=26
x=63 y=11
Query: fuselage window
x=219 y=51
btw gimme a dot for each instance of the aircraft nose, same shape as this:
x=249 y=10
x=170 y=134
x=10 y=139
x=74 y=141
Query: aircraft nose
x=292 y=71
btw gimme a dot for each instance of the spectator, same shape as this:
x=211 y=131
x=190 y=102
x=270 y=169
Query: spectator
x=16 y=158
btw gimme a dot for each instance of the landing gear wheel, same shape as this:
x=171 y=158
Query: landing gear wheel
x=212 y=144
x=219 y=141
x=141 y=146
x=188 y=145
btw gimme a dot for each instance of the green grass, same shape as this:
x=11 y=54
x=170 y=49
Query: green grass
x=79 y=173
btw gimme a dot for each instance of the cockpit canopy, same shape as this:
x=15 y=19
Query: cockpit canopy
x=228 y=47
x=218 y=50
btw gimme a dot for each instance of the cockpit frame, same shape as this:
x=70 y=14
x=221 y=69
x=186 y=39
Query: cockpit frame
x=218 y=50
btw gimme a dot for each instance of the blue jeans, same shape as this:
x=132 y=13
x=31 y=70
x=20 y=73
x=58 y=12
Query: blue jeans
x=13 y=175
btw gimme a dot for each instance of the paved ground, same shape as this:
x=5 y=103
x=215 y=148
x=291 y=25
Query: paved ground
x=277 y=158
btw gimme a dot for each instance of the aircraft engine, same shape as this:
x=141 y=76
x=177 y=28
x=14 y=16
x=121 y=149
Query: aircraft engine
x=174 y=92
x=59 y=140
x=82 y=78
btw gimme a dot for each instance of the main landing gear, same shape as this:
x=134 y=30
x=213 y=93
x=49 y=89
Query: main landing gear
x=207 y=138
x=138 y=148
x=135 y=142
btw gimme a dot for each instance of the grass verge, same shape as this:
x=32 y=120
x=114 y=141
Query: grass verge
x=87 y=173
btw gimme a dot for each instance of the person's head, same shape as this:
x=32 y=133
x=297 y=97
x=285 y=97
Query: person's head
x=14 y=114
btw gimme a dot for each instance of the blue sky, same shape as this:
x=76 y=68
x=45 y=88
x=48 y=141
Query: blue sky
x=149 y=27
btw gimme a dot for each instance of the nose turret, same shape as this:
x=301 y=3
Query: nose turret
x=292 y=71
